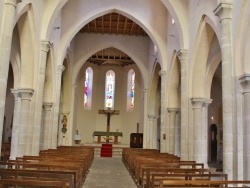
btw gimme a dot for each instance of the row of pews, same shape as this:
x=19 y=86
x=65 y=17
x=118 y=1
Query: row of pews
x=66 y=166
x=150 y=168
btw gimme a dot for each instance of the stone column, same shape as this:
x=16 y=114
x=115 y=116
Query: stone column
x=25 y=130
x=199 y=132
x=56 y=116
x=44 y=48
x=151 y=132
x=245 y=84
x=46 y=127
x=145 y=119
x=163 y=142
x=15 y=127
x=223 y=11
x=73 y=115
x=205 y=126
x=178 y=133
x=172 y=126
x=183 y=57
x=5 y=48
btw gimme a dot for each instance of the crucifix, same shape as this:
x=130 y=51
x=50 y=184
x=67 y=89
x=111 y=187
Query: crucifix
x=109 y=113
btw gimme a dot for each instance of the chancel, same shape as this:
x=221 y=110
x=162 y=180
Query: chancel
x=108 y=135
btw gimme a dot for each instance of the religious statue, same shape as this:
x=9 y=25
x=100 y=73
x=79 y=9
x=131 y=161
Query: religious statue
x=64 y=124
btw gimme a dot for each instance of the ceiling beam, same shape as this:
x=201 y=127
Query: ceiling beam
x=125 y=24
x=117 y=24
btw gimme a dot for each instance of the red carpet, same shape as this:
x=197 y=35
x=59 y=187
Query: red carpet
x=106 y=150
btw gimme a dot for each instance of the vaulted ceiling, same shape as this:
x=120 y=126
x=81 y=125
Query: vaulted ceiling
x=112 y=24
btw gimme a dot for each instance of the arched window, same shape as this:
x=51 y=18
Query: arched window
x=109 y=89
x=131 y=90
x=88 y=88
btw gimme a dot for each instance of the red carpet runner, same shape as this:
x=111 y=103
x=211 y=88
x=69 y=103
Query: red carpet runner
x=106 y=150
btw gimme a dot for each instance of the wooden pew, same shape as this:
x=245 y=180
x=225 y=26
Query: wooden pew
x=15 y=174
x=147 y=174
x=34 y=183
x=54 y=161
x=202 y=183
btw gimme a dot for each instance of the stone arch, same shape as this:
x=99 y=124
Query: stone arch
x=181 y=22
x=242 y=48
x=174 y=82
x=15 y=58
x=119 y=44
x=27 y=48
x=48 y=82
x=202 y=46
x=151 y=30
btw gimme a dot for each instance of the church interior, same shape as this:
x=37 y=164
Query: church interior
x=138 y=75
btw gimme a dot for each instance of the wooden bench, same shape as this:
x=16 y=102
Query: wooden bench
x=202 y=183
x=59 y=163
x=147 y=173
x=15 y=174
x=33 y=183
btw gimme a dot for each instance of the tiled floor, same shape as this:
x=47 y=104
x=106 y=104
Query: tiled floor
x=108 y=173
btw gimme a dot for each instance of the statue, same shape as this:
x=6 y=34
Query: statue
x=64 y=124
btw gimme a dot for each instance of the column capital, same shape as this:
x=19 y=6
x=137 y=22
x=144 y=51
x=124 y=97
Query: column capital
x=208 y=102
x=47 y=106
x=163 y=73
x=245 y=83
x=26 y=93
x=151 y=116
x=173 y=109
x=198 y=102
x=223 y=11
x=45 y=45
x=15 y=92
x=11 y=2
x=60 y=69
x=182 y=54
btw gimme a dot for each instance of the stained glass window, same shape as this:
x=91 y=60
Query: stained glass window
x=131 y=90
x=109 y=89
x=88 y=88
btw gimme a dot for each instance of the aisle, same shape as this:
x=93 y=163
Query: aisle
x=108 y=173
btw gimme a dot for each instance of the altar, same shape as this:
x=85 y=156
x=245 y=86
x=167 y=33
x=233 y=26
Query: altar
x=107 y=136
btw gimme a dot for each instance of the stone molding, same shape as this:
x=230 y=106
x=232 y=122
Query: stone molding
x=60 y=69
x=26 y=93
x=245 y=83
x=198 y=102
x=47 y=106
x=11 y=2
x=151 y=117
x=223 y=11
x=15 y=92
x=163 y=74
x=45 y=45
x=182 y=54
x=173 y=110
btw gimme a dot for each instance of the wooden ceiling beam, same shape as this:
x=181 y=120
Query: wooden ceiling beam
x=95 y=26
x=117 y=24
x=102 y=26
x=110 y=21
x=125 y=24
x=131 y=30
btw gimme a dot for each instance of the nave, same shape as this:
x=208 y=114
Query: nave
x=108 y=173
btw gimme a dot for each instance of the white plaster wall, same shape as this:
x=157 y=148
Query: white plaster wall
x=88 y=121
x=88 y=44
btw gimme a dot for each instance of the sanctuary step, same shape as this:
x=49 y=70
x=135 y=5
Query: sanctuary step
x=116 y=149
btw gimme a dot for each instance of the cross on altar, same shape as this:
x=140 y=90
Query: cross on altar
x=109 y=113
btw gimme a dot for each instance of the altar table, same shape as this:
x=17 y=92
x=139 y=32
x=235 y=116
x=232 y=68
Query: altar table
x=99 y=134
